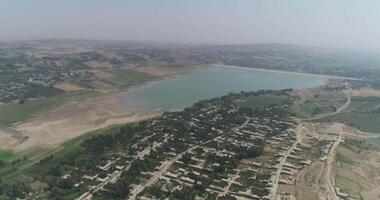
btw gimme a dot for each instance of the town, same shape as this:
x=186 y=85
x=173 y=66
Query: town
x=189 y=100
x=38 y=84
x=215 y=149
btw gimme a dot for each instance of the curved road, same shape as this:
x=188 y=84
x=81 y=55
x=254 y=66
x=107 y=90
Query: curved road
x=340 y=109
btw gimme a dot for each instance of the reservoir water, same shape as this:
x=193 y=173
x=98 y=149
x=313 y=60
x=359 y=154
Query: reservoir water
x=211 y=82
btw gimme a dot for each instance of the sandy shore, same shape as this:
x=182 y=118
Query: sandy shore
x=286 y=72
x=57 y=126
x=52 y=129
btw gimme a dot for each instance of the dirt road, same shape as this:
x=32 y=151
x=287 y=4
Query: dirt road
x=330 y=181
x=230 y=181
x=282 y=162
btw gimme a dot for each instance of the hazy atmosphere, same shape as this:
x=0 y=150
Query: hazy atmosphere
x=190 y=99
x=339 y=23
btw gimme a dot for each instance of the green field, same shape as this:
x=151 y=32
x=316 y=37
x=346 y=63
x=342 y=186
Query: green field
x=352 y=188
x=30 y=158
x=6 y=77
x=310 y=109
x=20 y=112
x=369 y=122
x=304 y=111
x=24 y=160
x=320 y=103
x=7 y=156
x=261 y=101
x=361 y=114
x=126 y=78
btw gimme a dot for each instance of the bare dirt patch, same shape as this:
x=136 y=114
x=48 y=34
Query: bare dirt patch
x=358 y=172
x=308 y=181
x=112 y=55
x=67 y=87
x=286 y=189
x=7 y=140
x=165 y=71
x=366 y=92
x=313 y=182
x=101 y=74
x=354 y=167
x=101 y=86
x=97 y=64
x=372 y=194
x=56 y=127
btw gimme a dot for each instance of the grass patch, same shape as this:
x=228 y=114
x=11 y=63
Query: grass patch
x=7 y=155
x=126 y=78
x=20 y=112
x=312 y=109
x=365 y=104
x=32 y=157
x=6 y=77
x=68 y=151
x=368 y=122
x=261 y=101
x=343 y=161
x=24 y=161
x=362 y=114
x=353 y=189
x=304 y=111
x=318 y=103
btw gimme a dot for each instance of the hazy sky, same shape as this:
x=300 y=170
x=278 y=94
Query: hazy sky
x=335 y=23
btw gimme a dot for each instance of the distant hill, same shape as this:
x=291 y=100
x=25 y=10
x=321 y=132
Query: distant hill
x=277 y=56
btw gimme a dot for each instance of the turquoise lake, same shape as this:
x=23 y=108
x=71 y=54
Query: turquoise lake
x=212 y=82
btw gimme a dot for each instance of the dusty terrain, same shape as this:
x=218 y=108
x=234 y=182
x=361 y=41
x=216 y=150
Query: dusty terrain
x=318 y=180
x=352 y=167
x=101 y=74
x=58 y=126
x=358 y=173
x=314 y=181
x=366 y=92
x=68 y=87
x=167 y=71
x=96 y=64
x=290 y=72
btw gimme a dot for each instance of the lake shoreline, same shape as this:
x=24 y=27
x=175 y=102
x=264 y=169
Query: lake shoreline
x=196 y=85
x=69 y=122
x=286 y=72
x=94 y=113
